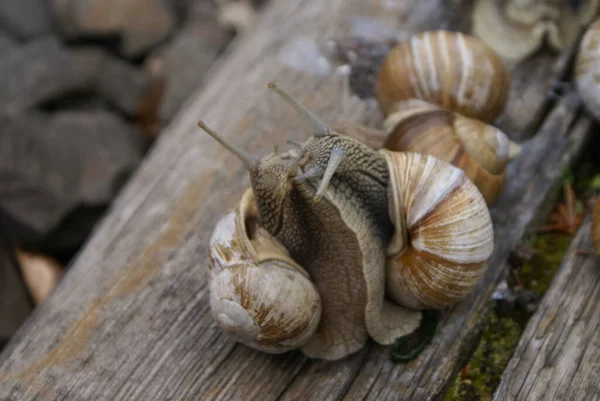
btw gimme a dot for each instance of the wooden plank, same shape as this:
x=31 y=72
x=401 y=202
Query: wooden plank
x=131 y=321
x=558 y=356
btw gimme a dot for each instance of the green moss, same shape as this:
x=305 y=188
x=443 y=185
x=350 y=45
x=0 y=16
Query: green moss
x=499 y=337
x=537 y=273
x=500 y=334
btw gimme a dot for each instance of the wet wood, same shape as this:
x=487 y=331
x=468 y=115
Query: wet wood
x=559 y=352
x=131 y=318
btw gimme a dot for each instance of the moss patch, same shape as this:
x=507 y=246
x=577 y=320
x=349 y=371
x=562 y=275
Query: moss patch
x=537 y=273
x=500 y=334
x=477 y=382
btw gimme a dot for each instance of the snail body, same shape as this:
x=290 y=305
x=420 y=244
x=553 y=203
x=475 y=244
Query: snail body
x=481 y=150
x=328 y=202
x=587 y=69
x=450 y=69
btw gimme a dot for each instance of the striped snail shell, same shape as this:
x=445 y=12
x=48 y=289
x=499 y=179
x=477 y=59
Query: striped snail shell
x=258 y=294
x=443 y=232
x=453 y=70
x=481 y=150
x=587 y=69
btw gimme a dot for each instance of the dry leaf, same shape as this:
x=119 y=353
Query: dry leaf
x=40 y=272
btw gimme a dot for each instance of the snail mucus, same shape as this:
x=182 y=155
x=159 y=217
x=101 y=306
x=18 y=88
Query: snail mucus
x=381 y=235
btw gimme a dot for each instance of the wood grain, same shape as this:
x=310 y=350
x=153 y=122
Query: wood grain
x=131 y=321
x=558 y=356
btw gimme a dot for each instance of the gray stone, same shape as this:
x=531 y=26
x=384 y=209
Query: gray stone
x=142 y=24
x=25 y=18
x=37 y=72
x=118 y=82
x=7 y=43
x=50 y=164
x=186 y=59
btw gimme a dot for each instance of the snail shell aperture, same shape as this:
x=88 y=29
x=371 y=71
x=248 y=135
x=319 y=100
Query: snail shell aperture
x=258 y=294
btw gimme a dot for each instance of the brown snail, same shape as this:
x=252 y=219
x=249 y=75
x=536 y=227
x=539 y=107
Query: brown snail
x=479 y=149
x=596 y=226
x=515 y=29
x=587 y=69
x=335 y=205
x=450 y=69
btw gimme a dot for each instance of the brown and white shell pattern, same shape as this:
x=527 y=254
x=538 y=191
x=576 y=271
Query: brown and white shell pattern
x=587 y=69
x=444 y=236
x=481 y=150
x=450 y=69
x=258 y=294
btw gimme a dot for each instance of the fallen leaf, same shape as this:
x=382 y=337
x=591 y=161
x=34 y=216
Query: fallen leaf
x=40 y=272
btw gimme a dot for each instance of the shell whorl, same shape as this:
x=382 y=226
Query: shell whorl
x=515 y=29
x=481 y=150
x=455 y=71
x=258 y=294
x=443 y=232
x=587 y=69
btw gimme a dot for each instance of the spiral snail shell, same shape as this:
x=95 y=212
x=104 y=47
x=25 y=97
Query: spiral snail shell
x=587 y=69
x=515 y=29
x=347 y=215
x=450 y=69
x=481 y=150
x=443 y=232
x=258 y=294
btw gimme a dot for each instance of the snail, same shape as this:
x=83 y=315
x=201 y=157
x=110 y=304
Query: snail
x=515 y=29
x=480 y=149
x=587 y=69
x=450 y=69
x=330 y=202
x=596 y=226
x=443 y=235
x=258 y=294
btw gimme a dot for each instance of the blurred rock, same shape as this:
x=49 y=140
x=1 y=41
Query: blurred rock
x=36 y=72
x=15 y=303
x=236 y=14
x=186 y=59
x=7 y=43
x=118 y=82
x=141 y=24
x=180 y=8
x=25 y=19
x=51 y=164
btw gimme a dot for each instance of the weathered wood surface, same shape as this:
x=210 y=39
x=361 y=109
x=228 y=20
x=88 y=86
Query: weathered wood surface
x=131 y=320
x=558 y=356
